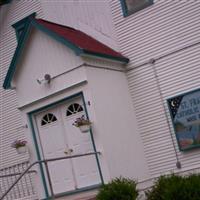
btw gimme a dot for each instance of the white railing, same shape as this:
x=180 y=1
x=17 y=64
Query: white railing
x=24 y=189
x=13 y=188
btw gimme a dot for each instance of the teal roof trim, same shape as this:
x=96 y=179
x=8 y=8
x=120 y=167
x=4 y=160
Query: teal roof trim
x=20 y=25
x=21 y=42
x=23 y=28
x=67 y=43
x=27 y=23
x=106 y=56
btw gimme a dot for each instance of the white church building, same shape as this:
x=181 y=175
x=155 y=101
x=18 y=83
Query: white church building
x=130 y=68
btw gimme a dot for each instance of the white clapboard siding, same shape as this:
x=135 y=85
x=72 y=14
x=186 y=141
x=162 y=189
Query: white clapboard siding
x=158 y=30
x=185 y=61
x=151 y=120
x=91 y=17
x=10 y=118
x=71 y=13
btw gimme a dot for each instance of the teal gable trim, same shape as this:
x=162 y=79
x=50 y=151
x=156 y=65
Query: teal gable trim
x=23 y=28
x=105 y=56
x=26 y=25
x=19 y=26
x=67 y=43
x=22 y=40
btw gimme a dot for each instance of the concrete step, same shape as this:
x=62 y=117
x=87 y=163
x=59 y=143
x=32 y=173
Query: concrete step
x=89 y=195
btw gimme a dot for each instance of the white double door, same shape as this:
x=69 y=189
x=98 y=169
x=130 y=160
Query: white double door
x=58 y=137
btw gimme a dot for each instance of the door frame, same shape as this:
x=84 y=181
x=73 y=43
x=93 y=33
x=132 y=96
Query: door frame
x=37 y=144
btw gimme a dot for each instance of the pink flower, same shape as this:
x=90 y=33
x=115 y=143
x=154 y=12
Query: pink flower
x=18 y=143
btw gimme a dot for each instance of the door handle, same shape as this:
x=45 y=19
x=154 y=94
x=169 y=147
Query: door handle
x=71 y=150
x=68 y=151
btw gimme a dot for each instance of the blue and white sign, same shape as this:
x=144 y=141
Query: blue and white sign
x=185 y=113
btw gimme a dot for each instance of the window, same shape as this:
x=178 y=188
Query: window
x=48 y=118
x=4 y=2
x=73 y=109
x=132 y=6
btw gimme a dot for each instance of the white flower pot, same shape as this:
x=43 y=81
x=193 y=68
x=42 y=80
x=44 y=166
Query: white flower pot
x=85 y=128
x=21 y=150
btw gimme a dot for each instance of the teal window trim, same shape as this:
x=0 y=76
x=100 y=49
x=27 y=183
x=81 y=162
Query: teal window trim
x=125 y=9
x=2 y=2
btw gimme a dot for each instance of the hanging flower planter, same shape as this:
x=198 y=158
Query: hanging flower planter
x=20 y=146
x=21 y=150
x=85 y=128
x=83 y=124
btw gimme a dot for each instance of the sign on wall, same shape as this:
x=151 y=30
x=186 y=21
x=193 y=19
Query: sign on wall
x=185 y=114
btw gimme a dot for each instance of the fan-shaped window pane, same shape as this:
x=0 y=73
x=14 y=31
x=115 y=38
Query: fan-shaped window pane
x=73 y=109
x=48 y=118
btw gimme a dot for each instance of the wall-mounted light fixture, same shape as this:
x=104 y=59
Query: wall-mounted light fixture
x=46 y=80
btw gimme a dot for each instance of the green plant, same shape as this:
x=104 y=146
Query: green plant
x=18 y=143
x=118 y=189
x=175 y=187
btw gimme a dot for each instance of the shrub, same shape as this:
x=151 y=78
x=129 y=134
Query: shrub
x=118 y=189
x=175 y=188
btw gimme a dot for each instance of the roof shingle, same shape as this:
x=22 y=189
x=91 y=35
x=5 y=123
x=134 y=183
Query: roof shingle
x=80 y=39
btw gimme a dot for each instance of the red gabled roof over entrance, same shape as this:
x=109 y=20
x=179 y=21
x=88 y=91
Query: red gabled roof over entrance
x=81 y=43
x=81 y=40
